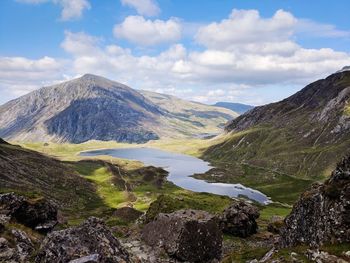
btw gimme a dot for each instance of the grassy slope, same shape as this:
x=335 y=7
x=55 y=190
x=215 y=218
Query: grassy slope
x=145 y=192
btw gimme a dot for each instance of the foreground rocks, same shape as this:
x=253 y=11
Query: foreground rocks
x=187 y=235
x=40 y=215
x=239 y=219
x=322 y=214
x=89 y=242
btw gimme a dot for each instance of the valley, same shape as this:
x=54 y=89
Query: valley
x=260 y=170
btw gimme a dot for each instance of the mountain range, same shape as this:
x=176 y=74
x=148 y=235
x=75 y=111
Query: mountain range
x=303 y=135
x=236 y=107
x=93 y=107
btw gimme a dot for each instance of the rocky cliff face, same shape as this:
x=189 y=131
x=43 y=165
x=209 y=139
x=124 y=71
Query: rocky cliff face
x=322 y=214
x=317 y=118
x=92 y=107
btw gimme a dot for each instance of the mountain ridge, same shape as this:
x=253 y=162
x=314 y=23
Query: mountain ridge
x=92 y=107
x=303 y=135
x=237 y=107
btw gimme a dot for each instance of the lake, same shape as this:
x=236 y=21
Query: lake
x=180 y=168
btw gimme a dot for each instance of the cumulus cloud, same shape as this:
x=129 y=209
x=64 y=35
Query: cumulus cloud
x=246 y=27
x=232 y=67
x=19 y=75
x=71 y=9
x=143 y=7
x=140 y=31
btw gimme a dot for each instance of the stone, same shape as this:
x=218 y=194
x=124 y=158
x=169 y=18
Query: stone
x=239 y=219
x=40 y=215
x=91 y=237
x=94 y=258
x=187 y=235
x=7 y=253
x=322 y=213
x=24 y=245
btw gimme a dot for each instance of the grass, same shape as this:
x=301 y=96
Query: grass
x=112 y=195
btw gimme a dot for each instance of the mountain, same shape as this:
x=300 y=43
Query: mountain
x=93 y=107
x=303 y=135
x=188 y=117
x=236 y=107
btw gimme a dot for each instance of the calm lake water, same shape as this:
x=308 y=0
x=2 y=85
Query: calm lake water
x=180 y=168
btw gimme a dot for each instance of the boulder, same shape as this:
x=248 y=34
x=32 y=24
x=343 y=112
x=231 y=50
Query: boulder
x=89 y=241
x=19 y=248
x=40 y=215
x=24 y=245
x=239 y=219
x=127 y=214
x=187 y=235
x=322 y=213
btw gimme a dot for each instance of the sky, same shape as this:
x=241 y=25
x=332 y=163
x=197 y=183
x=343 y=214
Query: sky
x=248 y=51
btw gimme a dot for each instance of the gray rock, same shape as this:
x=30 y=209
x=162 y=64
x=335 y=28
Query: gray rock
x=40 y=215
x=239 y=219
x=188 y=235
x=94 y=258
x=322 y=214
x=91 y=237
x=24 y=245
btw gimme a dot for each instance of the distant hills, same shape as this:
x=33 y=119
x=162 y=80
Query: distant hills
x=236 y=107
x=304 y=135
x=93 y=107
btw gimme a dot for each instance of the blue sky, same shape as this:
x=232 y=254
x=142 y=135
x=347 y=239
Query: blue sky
x=244 y=51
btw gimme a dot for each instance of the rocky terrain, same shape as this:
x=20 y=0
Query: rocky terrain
x=322 y=214
x=34 y=229
x=92 y=107
x=303 y=135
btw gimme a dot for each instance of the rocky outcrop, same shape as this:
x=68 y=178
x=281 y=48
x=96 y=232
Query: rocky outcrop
x=89 y=241
x=187 y=235
x=20 y=249
x=239 y=219
x=40 y=215
x=322 y=214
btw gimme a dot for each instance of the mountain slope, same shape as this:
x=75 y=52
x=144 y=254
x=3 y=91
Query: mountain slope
x=188 y=117
x=29 y=172
x=236 y=107
x=303 y=135
x=90 y=107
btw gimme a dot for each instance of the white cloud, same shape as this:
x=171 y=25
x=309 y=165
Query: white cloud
x=19 y=75
x=71 y=9
x=227 y=68
x=143 y=7
x=144 y=32
x=246 y=27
